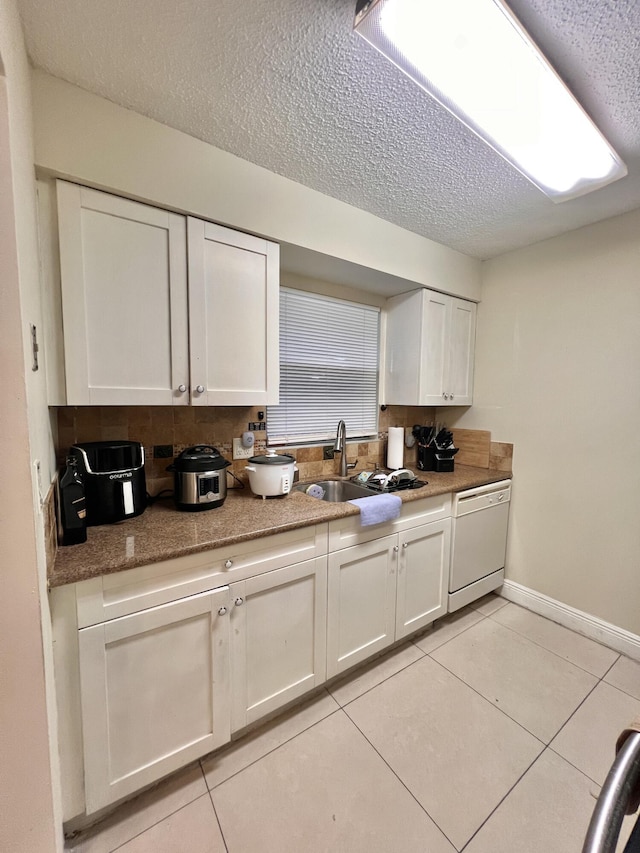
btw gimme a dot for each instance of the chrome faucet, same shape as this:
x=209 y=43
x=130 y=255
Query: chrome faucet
x=340 y=446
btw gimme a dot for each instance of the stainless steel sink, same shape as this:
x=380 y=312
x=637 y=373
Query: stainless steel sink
x=337 y=491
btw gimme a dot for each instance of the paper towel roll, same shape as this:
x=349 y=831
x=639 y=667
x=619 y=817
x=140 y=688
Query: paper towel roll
x=395 y=448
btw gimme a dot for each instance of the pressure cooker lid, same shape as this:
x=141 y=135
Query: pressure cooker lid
x=272 y=458
x=200 y=457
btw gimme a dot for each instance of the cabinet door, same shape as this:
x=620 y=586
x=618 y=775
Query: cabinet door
x=434 y=362
x=233 y=317
x=461 y=353
x=361 y=602
x=430 y=344
x=278 y=638
x=154 y=690
x=423 y=573
x=124 y=300
x=404 y=335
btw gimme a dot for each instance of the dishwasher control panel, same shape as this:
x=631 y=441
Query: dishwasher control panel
x=481 y=497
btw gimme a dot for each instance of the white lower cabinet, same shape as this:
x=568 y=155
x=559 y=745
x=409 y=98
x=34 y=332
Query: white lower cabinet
x=154 y=691
x=423 y=572
x=161 y=664
x=163 y=686
x=361 y=603
x=278 y=638
x=384 y=590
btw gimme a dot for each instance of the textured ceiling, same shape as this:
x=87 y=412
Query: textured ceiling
x=287 y=85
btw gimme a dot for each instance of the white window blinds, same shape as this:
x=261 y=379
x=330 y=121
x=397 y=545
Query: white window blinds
x=328 y=369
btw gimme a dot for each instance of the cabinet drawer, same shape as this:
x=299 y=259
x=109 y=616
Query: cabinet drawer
x=345 y=532
x=118 y=594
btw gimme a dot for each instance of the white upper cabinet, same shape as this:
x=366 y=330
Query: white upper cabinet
x=233 y=317
x=430 y=346
x=123 y=269
x=462 y=337
x=153 y=318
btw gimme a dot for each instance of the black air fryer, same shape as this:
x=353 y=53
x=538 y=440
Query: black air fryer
x=114 y=479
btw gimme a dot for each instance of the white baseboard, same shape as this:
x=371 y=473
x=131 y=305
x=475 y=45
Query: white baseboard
x=583 y=623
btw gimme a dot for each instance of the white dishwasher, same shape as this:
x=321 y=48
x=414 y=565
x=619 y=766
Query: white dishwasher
x=479 y=542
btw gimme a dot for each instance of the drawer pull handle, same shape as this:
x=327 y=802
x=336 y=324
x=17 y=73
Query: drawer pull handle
x=238 y=602
x=222 y=611
x=228 y=564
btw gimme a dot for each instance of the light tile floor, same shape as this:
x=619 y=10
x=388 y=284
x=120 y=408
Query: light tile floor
x=491 y=733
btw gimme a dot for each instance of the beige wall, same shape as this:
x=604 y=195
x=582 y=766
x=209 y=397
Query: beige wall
x=557 y=373
x=327 y=288
x=28 y=799
x=96 y=142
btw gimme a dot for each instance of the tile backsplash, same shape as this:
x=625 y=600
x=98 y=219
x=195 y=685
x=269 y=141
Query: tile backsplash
x=181 y=426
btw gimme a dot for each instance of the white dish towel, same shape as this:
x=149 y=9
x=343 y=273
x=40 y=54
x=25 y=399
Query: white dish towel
x=377 y=508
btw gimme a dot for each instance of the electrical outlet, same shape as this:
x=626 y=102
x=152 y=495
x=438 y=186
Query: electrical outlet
x=240 y=452
x=162 y=451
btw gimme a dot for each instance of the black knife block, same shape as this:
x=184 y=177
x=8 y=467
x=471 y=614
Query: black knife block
x=431 y=458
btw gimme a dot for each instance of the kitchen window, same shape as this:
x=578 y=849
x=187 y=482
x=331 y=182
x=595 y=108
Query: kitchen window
x=329 y=357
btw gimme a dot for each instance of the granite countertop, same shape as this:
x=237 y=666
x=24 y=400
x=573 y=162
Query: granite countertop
x=162 y=532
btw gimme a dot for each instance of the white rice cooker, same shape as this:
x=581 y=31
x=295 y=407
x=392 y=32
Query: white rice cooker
x=271 y=474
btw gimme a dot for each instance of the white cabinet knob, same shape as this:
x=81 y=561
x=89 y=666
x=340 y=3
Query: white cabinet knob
x=395 y=548
x=200 y=389
x=405 y=544
x=444 y=394
x=222 y=611
x=239 y=602
x=182 y=388
x=228 y=564
x=451 y=396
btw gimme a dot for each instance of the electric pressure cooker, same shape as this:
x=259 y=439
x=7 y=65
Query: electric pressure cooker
x=200 y=478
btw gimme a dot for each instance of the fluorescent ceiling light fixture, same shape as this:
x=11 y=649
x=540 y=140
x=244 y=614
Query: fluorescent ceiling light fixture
x=475 y=59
